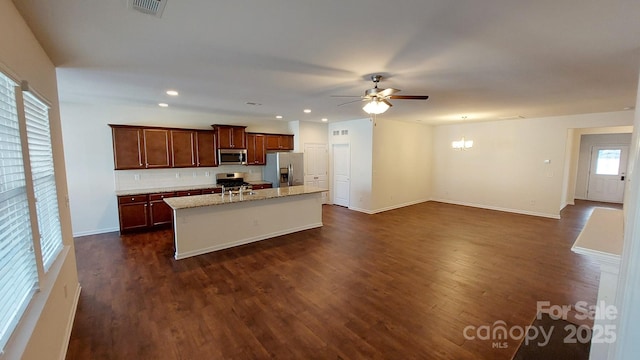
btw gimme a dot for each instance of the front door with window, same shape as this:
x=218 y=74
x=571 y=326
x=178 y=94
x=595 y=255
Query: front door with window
x=608 y=169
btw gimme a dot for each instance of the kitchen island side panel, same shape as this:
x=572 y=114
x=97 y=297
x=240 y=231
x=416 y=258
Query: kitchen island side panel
x=201 y=230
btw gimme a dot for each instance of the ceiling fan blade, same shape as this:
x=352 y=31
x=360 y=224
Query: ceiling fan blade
x=387 y=92
x=351 y=102
x=386 y=102
x=409 y=97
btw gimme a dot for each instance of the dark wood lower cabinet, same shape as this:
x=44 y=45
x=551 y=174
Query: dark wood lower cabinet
x=261 y=186
x=149 y=211
x=211 y=191
x=134 y=212
x=189 y=193
x=159 y=212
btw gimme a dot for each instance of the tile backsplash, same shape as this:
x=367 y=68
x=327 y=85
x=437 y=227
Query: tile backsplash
x=159 y=178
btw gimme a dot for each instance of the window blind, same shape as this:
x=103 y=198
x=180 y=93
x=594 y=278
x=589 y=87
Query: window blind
x=44 y=181
x=18 y=269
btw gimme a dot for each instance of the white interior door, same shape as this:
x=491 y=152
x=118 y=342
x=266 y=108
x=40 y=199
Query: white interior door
x=606 y=176
x=341 y=170
x=316 y=163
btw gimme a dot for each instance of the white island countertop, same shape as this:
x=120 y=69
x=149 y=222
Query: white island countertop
x=602 y=236
x=177 y=203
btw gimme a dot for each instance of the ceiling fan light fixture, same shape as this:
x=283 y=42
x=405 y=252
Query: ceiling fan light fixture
x=376 y=106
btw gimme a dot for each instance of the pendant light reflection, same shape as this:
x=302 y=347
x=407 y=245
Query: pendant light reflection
x=376 y=106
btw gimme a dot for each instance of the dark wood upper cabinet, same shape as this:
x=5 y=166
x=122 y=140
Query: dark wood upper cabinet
x=206 y=148
x=230 y=137
x=287 y=142
x=157 y=148
x=279 y=142
x=128 y=148
x=256 y=149
x=183 y=148
x=149 y=147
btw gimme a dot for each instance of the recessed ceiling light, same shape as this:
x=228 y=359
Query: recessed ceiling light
x=172 y=93
x=325 y=119
x=306 y=111
x=278 y=116
x=163 y=104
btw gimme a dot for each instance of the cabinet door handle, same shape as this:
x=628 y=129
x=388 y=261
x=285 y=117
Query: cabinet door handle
x=133 y=199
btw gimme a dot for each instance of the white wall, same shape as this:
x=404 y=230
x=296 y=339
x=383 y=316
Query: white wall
x=312 y=133
x=390 y=163
x=627 y=345
x=44 y=331
x=505 y=169
x=401 y=164
x=89 y=155
x=584 y=159
x=360 y=140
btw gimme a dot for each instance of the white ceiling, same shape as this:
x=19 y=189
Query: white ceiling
x=486 y=60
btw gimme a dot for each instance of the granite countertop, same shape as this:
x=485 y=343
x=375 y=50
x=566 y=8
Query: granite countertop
x=178 y=188
x=259 y=182
x=186 y=202
x=164 y=189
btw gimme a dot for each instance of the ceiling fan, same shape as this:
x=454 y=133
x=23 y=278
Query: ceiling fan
x=378 y=99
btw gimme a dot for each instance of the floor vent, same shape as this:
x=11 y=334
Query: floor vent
x=151 y=7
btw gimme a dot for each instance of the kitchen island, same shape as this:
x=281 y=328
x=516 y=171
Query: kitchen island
x=207 y=223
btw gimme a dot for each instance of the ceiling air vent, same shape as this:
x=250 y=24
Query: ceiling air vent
x=151 y=7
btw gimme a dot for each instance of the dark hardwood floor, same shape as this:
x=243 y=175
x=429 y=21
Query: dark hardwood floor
x=402 y=284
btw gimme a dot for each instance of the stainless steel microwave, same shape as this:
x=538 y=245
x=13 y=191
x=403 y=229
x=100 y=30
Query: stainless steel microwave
x=232 y=156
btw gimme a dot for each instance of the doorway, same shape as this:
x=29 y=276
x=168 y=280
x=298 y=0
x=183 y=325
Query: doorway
x=341 y=173
x=316 y=167
x=608 y=168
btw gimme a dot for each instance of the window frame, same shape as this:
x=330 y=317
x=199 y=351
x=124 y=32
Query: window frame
x=17 y=335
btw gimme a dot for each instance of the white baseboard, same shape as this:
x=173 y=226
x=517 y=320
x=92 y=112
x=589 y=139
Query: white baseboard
x=187 y=254
x=387 y=208
x=498 y=208
x=95 y=232
x=72 y=317
x=370 y=212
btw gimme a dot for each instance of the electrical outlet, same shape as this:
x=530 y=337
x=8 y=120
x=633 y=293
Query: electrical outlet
x=177 y=175
x=207 y=174
x=136 y=177
x=195 y=174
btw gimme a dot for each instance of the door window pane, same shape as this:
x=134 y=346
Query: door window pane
x=608 y=162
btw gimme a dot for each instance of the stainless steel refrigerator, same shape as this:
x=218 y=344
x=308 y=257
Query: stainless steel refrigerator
x=284 y=169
